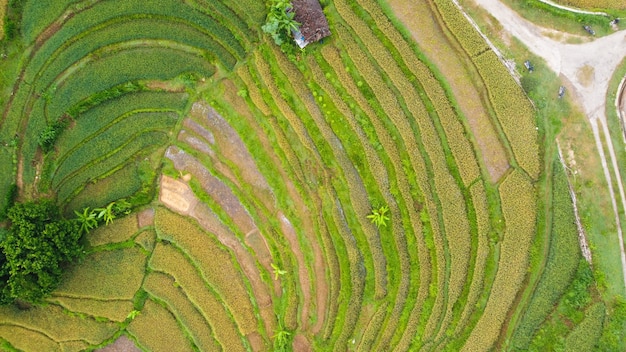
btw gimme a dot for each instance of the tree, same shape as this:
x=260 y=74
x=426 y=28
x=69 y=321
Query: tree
x=108 y=213
x=277 y=271
x=87 y=220
x=39 y=241
x=378 y=216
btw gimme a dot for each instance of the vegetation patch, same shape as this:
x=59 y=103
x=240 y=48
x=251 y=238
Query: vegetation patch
x=224 y=194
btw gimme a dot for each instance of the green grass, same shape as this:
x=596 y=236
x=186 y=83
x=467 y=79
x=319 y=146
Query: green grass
x=586 y=334
x=156 y=63
x=120 y=184
x=129 y=106
x=110 y=138
x=129 y=29
x=135 y=148
x=38 y=15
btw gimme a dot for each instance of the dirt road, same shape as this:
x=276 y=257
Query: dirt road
x=588 y=68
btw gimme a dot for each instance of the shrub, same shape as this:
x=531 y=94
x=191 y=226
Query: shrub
x=48 y=137
x=279 y=22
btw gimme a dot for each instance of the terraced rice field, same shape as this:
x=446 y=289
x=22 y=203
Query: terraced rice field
x=253 y=175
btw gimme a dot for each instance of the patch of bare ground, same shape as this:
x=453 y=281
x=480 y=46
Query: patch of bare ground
x=470 y=97
x=320 y=282
x=232 y=147
x=256 y=342
x=221 y=194
x=585 y=75
x=167 y=86
x=122 y=344
x=301 y=344
x=214 y=187
x=145 y=217
x=177 y=196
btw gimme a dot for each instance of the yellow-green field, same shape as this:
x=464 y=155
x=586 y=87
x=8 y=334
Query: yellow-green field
x=253 y=175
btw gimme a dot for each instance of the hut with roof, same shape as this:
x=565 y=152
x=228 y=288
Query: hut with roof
x=313 y=22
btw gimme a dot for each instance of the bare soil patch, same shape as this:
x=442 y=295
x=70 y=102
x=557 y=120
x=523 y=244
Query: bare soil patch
x=585 y=75
x=301 y=344
x=177 y=195
x=122 y=344
x=232 y=147
x=145 y=217
x=199 y=130
x=256 y=341
x=214 y=188
x=168 y=86
x=195 y=143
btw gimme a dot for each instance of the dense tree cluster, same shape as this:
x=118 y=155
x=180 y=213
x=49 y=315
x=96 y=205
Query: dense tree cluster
x=33 y=250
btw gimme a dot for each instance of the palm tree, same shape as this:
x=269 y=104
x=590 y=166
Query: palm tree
x=277 y=271
x=106 y=213
x=378 y=216
x=87 y=220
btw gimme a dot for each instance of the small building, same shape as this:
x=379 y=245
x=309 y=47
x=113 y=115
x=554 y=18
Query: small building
x=313 y=22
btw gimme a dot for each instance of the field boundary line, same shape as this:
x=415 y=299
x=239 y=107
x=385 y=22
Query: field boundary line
x=582 y=237
x=618 y=101
x=573 y=9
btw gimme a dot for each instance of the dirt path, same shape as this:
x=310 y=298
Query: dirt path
x=588 y=67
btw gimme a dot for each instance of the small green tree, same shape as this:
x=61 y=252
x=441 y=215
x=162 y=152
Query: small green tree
x=280 y=21
x=107 y=213
x=379 y=217
x=87 y=220
x=282 y=337
x=277 y=271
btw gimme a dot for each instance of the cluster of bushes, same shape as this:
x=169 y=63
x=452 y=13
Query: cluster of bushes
x=39 y=242
x=13 y=19
x=279 y=22
x=33 y=250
